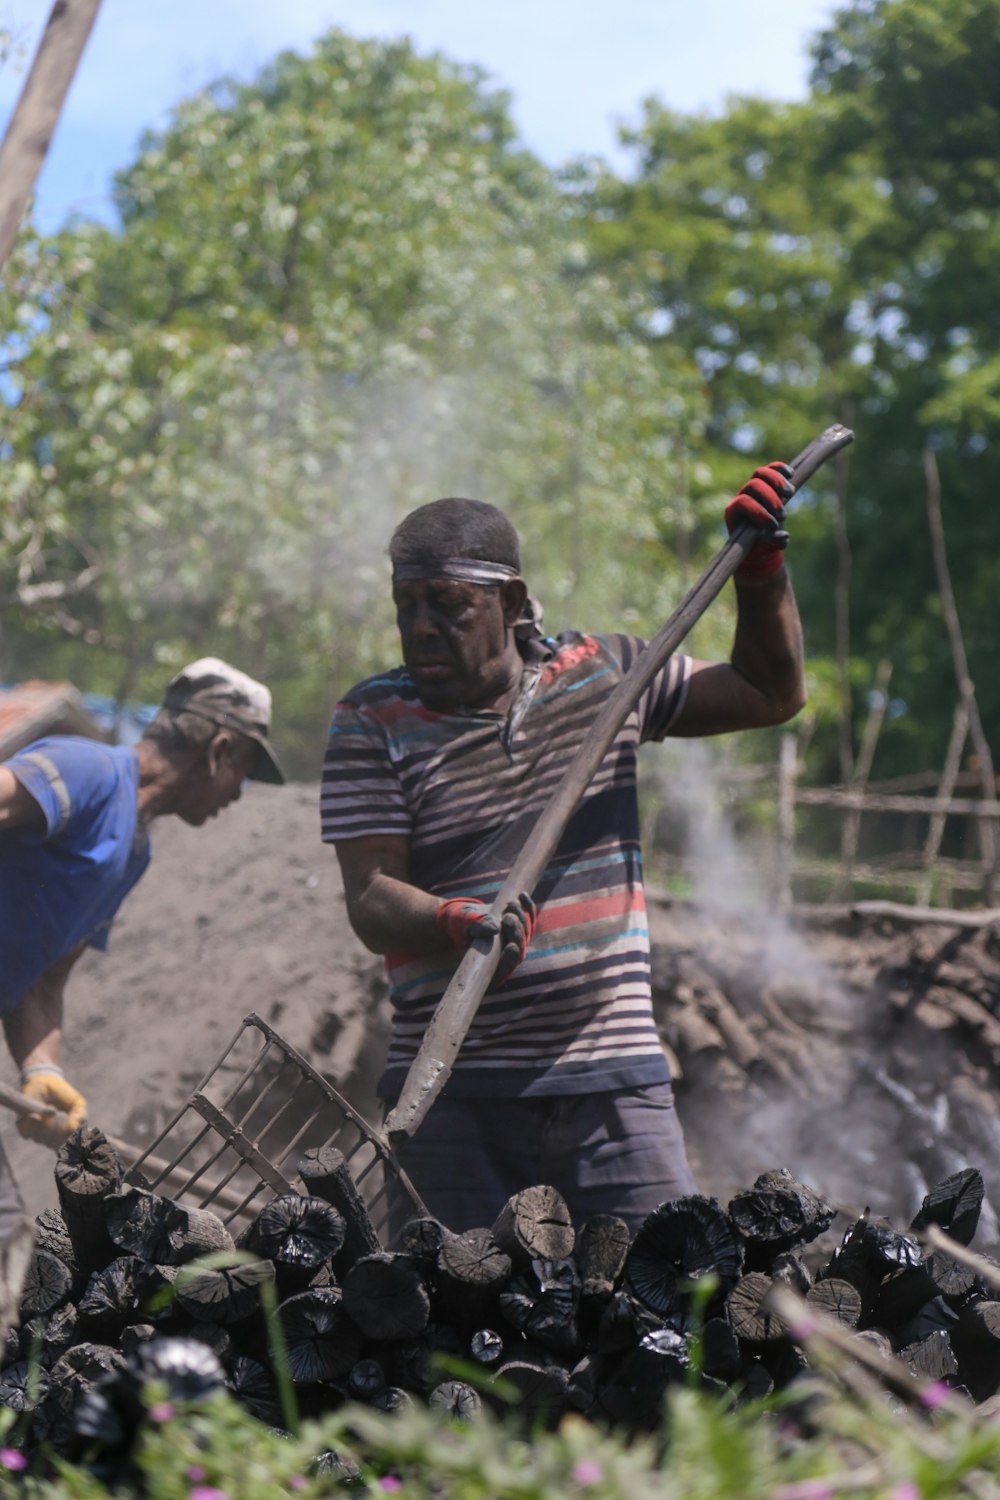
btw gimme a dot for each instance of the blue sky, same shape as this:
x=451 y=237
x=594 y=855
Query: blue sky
x=574 y=67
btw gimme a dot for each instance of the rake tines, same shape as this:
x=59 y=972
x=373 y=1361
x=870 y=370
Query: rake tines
x=247 y=1124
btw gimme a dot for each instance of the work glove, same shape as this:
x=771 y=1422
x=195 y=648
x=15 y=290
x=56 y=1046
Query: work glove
x=761 y=503
x=46 y=1085
x=463 y=920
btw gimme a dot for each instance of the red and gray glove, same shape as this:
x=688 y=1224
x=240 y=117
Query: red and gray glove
x=761 y=502
x=463 y=919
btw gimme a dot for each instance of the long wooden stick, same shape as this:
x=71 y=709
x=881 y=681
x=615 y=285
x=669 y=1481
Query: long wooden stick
x=36 y=114
x=966 y=687
x=432 y=1066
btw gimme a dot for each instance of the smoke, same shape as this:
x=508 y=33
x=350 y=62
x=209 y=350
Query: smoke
x=851 y=1098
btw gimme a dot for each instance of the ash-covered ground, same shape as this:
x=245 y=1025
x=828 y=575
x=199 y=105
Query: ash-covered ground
x=862 y=1054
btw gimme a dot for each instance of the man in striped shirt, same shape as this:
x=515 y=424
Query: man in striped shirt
x=435 y=774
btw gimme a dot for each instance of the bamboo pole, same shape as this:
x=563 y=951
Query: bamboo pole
x=851 y=831
x=966 y=687
x=946 y=785
x=36 y=114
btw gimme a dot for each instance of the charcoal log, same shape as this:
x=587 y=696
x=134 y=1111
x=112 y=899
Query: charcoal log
x=542 y=1302
x=366 y=1378
x=756 y=1381
x=386 y=1296
x=298 y=1235
x=114 y=1296
x=134 y=1335
x=836 y=1298
x=899 y=1297
x=788 y=1270
x=48 y=1285
x=749 y=1313
x=421 y=1239
x=975 y=1340
x=601 y=1248
x=679 y=1242
x=253 y=1387
x=537 y=1390
x=23 y=1385
x=411 y=1364
x=51 y=1234
x=226 y=1295
x=88 y=1171
x=624 y=1323
x=472 y=1270
x=951 y=1279
x=322 y=1341
x=325 y=1174
x=456 y=1400
x=721 y=1356
x=954 y=1205
x=931 y=1359
x=535 y=1224
x=392 y=1399
x=161 y=1231
x=486 y=1347
x=633 y=1398
x=48 y=1338
x=776 y=1214
x=77 y=1372
x=585 y=1380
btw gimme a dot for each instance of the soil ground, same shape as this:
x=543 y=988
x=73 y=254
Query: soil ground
x=862 y=1054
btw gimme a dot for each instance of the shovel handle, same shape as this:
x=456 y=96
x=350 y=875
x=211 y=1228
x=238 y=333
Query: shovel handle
x=432 y=1066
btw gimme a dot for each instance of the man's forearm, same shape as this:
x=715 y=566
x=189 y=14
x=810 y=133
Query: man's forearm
x=391 y=916
x=768 y=651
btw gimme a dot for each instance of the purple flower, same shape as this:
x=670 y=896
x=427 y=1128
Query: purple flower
x=587 y=1471
x=390 y=1482
x=10 y=1458
x=905 y=1491
x=161 y=1411
x=194 y=1471
x=296 y=1482
x=207 y=1492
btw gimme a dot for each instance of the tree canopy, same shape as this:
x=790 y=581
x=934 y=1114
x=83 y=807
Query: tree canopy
x=346 y=288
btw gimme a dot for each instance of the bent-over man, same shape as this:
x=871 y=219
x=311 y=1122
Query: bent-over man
x=74 y=840
x=435 y=774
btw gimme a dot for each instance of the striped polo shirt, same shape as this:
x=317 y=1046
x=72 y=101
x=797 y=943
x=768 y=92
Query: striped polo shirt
x=576 y=1015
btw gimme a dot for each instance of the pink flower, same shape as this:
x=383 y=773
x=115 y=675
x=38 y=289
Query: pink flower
x=390 y=1482
x=207 y=1492
x=10 y=1458
x=194 y=1471
x=905 y=1491
x=587 y=1471
x=935 y=1394
x=296 y=1482
x=161 y=1411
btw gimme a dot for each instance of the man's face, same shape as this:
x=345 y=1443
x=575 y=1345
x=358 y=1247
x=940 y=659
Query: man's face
x=456 y=642
x=218 y=777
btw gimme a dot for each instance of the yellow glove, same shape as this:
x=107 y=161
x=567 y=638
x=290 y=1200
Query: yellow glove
x=45 y=1084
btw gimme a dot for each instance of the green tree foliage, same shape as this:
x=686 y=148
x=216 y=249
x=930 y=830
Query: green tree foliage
x=335 y=293
x=836 y=260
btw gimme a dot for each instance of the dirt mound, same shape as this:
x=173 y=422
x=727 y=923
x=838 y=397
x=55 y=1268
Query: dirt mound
x=862 y=1055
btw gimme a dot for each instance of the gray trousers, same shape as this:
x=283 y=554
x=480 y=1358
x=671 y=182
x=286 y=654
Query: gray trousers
x=620 y=1152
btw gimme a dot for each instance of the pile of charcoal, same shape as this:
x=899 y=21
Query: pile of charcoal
x=552 y=1318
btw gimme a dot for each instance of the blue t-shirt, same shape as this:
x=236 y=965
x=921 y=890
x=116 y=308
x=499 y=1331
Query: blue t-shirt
x=62 y=884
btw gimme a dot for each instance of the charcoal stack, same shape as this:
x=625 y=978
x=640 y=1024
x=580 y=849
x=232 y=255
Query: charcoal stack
x=555 y=1318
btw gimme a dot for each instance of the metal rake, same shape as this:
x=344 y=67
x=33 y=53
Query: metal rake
x=244 y=1129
